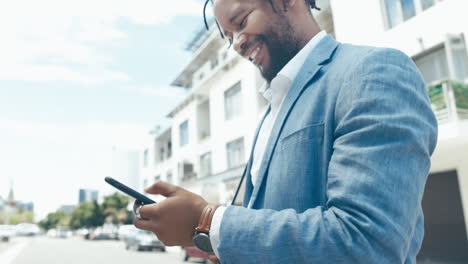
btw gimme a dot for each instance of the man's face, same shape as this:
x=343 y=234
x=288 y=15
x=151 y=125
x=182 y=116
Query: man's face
x=259 y=34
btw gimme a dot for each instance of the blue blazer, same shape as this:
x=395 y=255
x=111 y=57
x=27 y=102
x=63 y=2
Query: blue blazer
x=344 y=170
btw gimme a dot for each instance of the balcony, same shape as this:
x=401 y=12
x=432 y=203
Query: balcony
x=449 y=100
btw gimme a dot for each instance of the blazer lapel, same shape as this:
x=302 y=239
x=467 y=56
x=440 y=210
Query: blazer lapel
x=317 y=57
x=248 y=182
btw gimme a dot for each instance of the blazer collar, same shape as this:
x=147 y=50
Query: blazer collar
x=319 y=56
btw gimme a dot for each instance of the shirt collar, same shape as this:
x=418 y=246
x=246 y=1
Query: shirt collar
x=291 y=69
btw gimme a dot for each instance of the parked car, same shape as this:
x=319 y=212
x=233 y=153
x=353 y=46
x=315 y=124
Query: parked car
x=63 y=232
x=105 y=232
x=6 y=232
x=143 y=240
x=26 y=229
x=193 y=252
x=124 y=230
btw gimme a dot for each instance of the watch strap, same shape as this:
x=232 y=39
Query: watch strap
x=204 y=223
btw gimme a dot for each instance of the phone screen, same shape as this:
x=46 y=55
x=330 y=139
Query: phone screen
x=129 y=191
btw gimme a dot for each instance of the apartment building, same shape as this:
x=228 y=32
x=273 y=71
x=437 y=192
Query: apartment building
x=213 y=126
x=433 y=33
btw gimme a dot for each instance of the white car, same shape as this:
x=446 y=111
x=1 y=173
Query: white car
x=6 y=232
x=26 y=229
x=124 y=231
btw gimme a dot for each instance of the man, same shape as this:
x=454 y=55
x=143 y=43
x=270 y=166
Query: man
x=340 y=160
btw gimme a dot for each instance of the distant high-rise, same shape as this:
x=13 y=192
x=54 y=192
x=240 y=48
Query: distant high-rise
x=125 y=166
x=25 y=206
x=87 y=195
x=67 y=209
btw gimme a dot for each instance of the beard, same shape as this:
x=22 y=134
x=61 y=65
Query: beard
x=281 y=45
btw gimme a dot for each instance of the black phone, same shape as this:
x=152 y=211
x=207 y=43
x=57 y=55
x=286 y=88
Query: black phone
x=129 y=191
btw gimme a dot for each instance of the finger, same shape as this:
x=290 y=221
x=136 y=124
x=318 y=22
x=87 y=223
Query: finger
x=136 y=204
x=144 y=224
x=149 y=211
x=163 y=188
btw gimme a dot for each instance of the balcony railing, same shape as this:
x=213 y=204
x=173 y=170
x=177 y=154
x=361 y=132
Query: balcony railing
x=449 y=100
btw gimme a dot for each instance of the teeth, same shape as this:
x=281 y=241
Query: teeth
x=254 y=54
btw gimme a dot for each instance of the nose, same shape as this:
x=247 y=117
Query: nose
x=240 y=43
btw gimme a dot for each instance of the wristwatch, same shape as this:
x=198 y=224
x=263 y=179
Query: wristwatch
x=201 y=239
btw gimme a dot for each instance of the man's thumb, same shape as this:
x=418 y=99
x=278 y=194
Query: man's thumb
x=163 y=188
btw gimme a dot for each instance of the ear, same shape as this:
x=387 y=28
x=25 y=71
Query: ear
x=288 y=4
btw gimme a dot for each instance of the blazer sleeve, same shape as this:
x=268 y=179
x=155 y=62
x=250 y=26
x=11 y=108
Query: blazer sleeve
x=385 y=132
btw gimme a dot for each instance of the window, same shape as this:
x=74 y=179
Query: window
x=169 y=177
x=161 y=154
x=169 y=149
x=235 y=153
x=184 y=133
x=214 y=62
x=145 y=158
x=398 y=11
x=425 y=4
x=447 y=60
x=393 y=13
x=185 y=170
x=205 y=164
x=433 y=65
x=408 y=9
x=233 y=101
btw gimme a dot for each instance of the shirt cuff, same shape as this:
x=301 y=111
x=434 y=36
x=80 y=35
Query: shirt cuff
x=215 y=227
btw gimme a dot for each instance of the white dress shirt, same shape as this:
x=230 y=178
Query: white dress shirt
x=274 y=94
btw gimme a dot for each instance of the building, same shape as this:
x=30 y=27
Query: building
x=11 y=207
x=433 y=34
x=126 y=166
x=87 y=196
x=25 y=206
x=67 y=209
x=212 y=129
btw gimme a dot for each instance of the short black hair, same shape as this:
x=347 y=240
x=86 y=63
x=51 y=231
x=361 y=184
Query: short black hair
x=312 y=4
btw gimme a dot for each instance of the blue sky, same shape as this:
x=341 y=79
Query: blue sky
x=78 y=77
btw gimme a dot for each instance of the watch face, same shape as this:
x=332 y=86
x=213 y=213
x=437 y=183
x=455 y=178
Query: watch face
x=202 y=242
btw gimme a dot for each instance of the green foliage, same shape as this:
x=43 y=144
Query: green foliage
x=113 y=209
x=52 y=220
x=22 y=217
x=87 y=215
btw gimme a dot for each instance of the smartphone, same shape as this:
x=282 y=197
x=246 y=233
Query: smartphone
x=129 y=191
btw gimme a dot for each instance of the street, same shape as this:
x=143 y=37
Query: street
x=42 y=250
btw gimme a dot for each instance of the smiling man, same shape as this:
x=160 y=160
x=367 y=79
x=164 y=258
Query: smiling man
x=339 y=161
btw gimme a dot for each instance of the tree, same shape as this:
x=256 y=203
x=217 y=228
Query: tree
x=54 y=219
x=114 y=208
x=87 y=215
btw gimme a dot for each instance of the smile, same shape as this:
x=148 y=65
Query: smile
x=255 y=54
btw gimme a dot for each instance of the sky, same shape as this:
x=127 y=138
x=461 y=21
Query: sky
x=78 y=78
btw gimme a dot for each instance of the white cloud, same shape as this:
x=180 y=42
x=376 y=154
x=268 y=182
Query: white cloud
x=44 y=40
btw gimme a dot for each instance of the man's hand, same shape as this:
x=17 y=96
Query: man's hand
x=173 y=220
x=213 y=258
